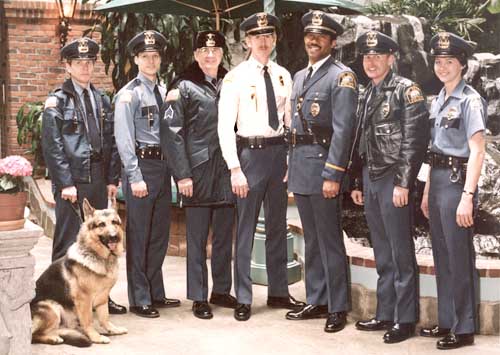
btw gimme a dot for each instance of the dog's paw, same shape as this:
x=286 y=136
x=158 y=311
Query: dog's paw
x=118 y=330
x=55 y=340
x=101 y=339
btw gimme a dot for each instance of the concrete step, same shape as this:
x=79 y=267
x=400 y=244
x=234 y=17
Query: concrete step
x=41 y=204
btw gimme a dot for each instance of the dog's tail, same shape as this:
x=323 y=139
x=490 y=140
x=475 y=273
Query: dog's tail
x=74 y=337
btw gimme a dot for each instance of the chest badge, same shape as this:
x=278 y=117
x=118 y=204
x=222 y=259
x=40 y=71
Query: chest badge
x=386 y=109
x=452 y=113
x=315 y=108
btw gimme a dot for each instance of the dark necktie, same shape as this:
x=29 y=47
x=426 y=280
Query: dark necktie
x=271 y=101
x=93 y=131
x=309 y=74
x=159 y=100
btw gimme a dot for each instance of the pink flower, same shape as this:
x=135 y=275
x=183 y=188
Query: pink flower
x=15 y=165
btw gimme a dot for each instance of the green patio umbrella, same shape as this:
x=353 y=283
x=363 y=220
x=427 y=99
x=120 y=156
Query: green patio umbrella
x=221 y=8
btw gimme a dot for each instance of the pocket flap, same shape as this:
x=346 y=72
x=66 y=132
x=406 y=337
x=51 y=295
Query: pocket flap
x=386 y=129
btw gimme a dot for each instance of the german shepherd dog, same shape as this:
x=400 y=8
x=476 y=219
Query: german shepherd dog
x=73 y=285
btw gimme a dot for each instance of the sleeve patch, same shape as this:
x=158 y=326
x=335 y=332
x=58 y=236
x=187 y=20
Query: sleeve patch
x=51 y=102
x=173 y=95
x=413 y=94
x=347 y=80
x=476 y=104
x=125 y=97
x=169 y=113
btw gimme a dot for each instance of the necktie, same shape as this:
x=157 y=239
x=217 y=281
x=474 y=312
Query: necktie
x=309 y=74
x=159 y=100
x=271 y=101
x=93 y=130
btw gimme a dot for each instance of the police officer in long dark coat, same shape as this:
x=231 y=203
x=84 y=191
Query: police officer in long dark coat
x=146 y=177
x=79 y=146
x=458 y=121
x=189 y=138
x=391 y=142
x=324 y=100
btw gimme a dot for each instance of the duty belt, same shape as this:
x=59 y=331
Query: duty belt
x=149 y=152
x=458 y=165
x=311 y=138
x=259 y=142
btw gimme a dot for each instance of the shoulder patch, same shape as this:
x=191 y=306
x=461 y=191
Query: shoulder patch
x=413 y=94
x=50 y=102
x=173 y=95
x=125 y=97
x=347 y=80
x=476 y=103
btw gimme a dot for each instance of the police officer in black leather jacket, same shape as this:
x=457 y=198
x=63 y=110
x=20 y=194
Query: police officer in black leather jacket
x=79 y=146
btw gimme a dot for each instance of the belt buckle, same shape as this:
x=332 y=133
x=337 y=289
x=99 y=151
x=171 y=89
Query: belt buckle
x=256 y=142
x=294 y=137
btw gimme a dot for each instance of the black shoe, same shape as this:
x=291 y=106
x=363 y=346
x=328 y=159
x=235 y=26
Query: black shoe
x=399 y=332
x=374 y=324
x=336 y=322
x=115 y=308
x=434 y=332
x=202 y=310
x=454 y=341
x=146 y=311
x=167 y=303
x=308 y=312
x=242 y=312
x=285 y=302
x=223 y=300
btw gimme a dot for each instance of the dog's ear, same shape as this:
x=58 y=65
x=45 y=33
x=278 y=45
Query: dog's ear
x=88 y=210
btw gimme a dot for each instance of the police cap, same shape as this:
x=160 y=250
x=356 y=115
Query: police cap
x=209 y=39
x=147 y=41
x=80 y=48
x=321 y=22
x=260 y=23
x=375 y=42
x=449 y=44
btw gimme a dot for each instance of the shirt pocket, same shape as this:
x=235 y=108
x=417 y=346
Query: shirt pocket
x=71 y=123
x=388 y=136
x=147 y=116
x=451 y=122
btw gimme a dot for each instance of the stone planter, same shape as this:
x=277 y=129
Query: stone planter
x=17 y=288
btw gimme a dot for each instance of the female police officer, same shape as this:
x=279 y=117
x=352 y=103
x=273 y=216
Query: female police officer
x=458 y=120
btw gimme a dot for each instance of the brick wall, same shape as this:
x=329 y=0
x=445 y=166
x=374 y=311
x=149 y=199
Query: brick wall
x=33 y=67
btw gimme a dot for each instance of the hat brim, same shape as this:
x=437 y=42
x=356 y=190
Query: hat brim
x=320 y=30
x=261 y=30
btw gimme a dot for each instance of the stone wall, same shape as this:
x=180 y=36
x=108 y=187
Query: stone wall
x=31 y=67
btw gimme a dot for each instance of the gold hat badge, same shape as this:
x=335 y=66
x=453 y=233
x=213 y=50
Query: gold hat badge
x=149 y=38
x=83 y=46
x=443 y=40
x=317 y=18
x=262 y=19
x=371 y=39
x=210 y=40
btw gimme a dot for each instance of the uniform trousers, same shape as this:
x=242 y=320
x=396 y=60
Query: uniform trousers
x=148 y=227
x=198 y=221
x=69 y=216
x=391 y=236
x=264 y=169
x=325 y=255
x=454 y=257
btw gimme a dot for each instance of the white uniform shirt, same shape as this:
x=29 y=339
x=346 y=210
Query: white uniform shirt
x=243 y=101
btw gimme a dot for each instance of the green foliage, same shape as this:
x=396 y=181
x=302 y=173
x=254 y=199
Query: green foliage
x=464 y=17
x=29 y=129
x=118 y=28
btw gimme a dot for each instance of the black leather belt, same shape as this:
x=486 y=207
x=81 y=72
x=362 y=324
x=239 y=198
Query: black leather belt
x=457 y=165
x=307 y=139
x=95 y=157
x=259 y=142
x=150 y=152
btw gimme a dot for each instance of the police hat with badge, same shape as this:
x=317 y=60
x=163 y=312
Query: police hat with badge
x=80 y=48
x=322 y=23
x=209 y=39
x=260 y=23
x=450 y=45
x=147 y=41
x=375 y=42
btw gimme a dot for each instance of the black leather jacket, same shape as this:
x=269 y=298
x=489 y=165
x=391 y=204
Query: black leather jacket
x=65 y=145
x=189 y=139
x=396 y=129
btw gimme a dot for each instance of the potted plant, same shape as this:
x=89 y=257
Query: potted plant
x=12 y=195
x=29 y=131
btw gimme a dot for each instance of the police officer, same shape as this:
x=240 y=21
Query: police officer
x=79 y=146
x=189 y=138
x=393 y=136
x=458 y=121
x=324 y=99
x=146 y=177
x=255 y=95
